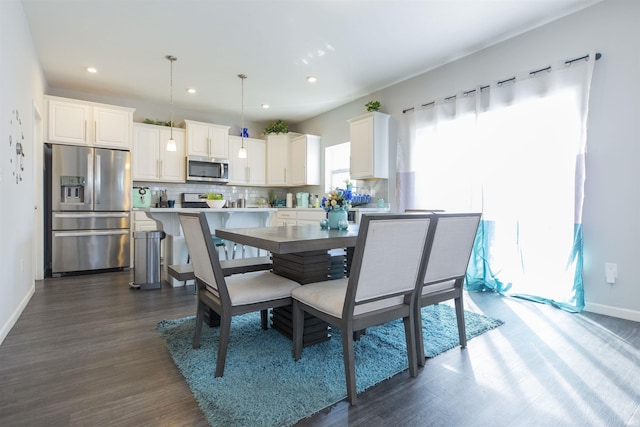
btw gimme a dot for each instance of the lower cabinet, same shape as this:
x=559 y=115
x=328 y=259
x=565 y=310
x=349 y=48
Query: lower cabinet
x=289 y=216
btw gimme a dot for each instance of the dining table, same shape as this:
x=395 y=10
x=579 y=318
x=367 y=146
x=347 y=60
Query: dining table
x=306 y=254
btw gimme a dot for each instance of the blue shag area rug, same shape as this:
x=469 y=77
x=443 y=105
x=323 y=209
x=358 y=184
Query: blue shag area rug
x=262 y=384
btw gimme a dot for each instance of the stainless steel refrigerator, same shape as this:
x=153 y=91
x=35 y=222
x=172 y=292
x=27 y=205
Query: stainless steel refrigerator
x=88 y=202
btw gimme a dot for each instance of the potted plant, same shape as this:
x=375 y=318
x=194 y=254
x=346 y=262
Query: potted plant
x=276 y=127
x=272 y=197
x=372 y=106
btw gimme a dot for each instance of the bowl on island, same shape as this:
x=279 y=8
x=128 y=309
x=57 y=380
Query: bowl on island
x=216 y=204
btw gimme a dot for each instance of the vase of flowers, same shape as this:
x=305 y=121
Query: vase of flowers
x=336 y=203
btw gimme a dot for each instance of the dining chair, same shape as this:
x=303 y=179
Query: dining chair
x=449 y=256
x=386 y=274
x=232 y=295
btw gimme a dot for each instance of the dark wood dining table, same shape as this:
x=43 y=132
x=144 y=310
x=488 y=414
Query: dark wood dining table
x=306 y=254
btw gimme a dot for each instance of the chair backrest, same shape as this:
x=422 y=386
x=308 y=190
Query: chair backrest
x=451 y=249
x=204 y=256
x=388 y=261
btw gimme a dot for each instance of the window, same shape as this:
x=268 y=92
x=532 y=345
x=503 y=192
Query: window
x=336 y=165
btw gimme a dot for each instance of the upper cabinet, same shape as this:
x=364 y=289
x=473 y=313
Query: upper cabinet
x=150 y=158
x=304 y=157
x=370 y=146
x=80 y=122
x=249 y=171
x=278 y=173
x=207 y=140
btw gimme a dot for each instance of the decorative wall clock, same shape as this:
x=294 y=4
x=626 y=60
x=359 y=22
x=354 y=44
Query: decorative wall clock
x=16 y=145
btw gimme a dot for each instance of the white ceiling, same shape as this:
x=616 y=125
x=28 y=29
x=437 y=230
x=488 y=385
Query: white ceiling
x=353 y=47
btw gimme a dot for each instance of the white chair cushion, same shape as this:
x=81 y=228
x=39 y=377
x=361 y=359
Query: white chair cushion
x=329 y=297
x=259 y=286
x=325 y=296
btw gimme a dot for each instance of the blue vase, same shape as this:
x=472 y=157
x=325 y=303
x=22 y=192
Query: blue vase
x=335 y=217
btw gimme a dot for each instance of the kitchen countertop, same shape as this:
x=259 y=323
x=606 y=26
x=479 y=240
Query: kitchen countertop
x=207 y=210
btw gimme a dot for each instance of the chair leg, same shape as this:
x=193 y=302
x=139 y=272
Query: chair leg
x=199 y=321
x=349 y=365
x=462 y=333
x=298 y=329
x=264 y=319
x=419 y=336
x=225 y=330
x=410 y=337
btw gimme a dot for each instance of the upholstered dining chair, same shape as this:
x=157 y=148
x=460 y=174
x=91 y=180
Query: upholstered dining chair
x=231 y=295
x=386 y=273
x=446 y=268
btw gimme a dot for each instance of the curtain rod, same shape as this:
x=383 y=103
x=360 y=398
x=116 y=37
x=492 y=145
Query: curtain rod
x=598 y=55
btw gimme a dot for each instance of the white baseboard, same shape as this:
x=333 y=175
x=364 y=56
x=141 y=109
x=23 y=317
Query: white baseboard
x=607 y=310
x=16 y=314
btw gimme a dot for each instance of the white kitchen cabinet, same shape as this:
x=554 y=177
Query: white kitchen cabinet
x=310 y=217
x=369 y=146
x=150 y=158
x=249 y=171
x=286 y=217
x=304 y=155
x=79 y=122
x=207 y=140
x=278 y=159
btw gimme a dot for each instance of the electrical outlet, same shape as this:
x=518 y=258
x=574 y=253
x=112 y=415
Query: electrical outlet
x=611 y=272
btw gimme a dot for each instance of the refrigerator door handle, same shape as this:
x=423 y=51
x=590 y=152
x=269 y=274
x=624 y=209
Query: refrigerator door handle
x=89 y=233
x=88 y=189
x=98 y=179
x=91 y=215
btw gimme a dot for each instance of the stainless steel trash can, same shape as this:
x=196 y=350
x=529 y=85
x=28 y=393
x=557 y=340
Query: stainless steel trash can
x=146 y=253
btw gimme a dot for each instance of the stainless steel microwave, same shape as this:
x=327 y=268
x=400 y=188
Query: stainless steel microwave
x=204 y=169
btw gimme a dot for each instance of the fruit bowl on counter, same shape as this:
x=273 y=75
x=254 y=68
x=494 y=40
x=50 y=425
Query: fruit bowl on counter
x=216 y=204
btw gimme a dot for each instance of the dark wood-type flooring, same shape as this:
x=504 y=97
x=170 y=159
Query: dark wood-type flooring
x=85 y=352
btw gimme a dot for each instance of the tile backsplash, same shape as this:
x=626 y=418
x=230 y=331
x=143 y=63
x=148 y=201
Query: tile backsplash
x=377 y=189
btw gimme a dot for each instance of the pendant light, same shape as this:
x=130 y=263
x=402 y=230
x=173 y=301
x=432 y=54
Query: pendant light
x=242 y=153
x=171 y=144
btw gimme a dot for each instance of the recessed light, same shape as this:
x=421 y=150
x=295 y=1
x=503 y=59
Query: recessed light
x=92 y=70
x=191 y=90
x=265 y=106
x=311 y=79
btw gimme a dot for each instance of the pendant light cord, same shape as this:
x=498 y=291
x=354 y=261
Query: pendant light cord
x=242 y=77
x=171 y=59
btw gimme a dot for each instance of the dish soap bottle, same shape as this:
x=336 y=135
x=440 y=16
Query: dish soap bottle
x=317 y=202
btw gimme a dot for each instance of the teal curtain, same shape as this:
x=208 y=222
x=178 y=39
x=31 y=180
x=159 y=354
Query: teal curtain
x=515 y=152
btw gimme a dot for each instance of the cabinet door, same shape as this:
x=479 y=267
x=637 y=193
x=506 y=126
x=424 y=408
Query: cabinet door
x=69 y=122
x=257 y=161
x=277 y=159
x=298 y=158
x=361 y=165
x=145 y=153
x=111 y=127
x=304 y=157
x=172 y=163
x=197 y=139
x=370 y=146
x=218 y=141
x=237 y=166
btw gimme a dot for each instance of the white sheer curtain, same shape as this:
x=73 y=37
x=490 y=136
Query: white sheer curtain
x=515 y=152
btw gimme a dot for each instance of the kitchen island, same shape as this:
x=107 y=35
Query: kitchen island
x=175 y=249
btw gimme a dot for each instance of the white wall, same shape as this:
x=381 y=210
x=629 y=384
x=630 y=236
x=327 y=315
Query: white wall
x=21 y=88
x=612 y=203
